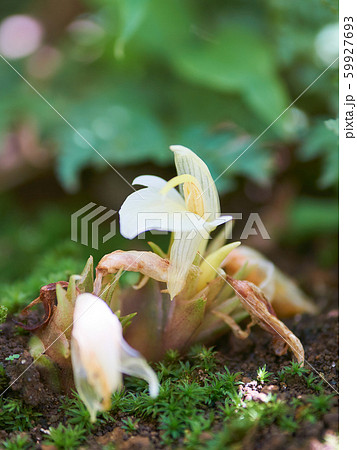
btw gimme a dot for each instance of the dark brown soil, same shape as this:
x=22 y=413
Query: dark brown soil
x=319 y=336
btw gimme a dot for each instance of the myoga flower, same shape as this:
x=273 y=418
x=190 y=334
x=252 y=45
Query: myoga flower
x=191 y=214
x=100 y=355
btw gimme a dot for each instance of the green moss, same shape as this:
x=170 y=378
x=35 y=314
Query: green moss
x=130 y=425
x=3 y=313
x=321 y=404
x=66 y=438
x=53 y=266
x=16 y=415
x=19 y=442
x=77 y=414
x=196 y=394
x=189 y=392
x=295 y=368
x=3 y=378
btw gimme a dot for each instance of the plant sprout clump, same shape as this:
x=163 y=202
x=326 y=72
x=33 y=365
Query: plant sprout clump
x=191 y=293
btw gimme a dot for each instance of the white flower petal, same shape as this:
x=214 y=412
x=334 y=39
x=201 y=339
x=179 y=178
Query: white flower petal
x=95 y=351
x=187 y=162
x=183 y=252
x=132 y=363
x=147 y=210
x=157 y=183
x=220 y=220
x=100 y=354
x=150 y=181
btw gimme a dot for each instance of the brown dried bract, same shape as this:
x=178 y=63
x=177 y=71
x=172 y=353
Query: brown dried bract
x=285 y=295
x=49 y=301
x=262 y=313
x=147 y=263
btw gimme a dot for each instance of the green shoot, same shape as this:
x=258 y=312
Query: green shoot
x=130 y=425
x=263 y=375
x=12 y=357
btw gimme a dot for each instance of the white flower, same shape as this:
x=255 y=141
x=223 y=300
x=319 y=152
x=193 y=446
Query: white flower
x=192 y=214
x=100 y=355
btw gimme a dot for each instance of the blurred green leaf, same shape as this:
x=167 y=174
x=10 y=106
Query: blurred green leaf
x=210 y=75
x=121 y=133
x=237 y=60
x=332 y=124
x=309 y=217
x=131 y=13
x=322 y=141
x=166 y=28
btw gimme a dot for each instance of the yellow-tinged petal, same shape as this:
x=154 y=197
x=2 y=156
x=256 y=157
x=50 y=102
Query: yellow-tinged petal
x=212 y=262
x=187 y=162
x=176 y=181
x=192 y=192
x=194 y=198
x=220 y=239
x=182 y=254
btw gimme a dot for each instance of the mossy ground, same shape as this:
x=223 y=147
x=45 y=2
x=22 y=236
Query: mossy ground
x=205 y=401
